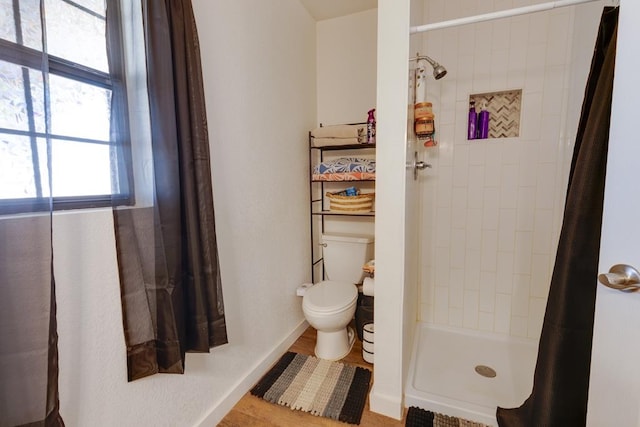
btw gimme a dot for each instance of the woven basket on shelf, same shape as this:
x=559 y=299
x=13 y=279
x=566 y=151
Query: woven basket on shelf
x=351 y=204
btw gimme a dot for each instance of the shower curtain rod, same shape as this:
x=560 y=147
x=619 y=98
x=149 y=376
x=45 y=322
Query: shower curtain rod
x=496 y=15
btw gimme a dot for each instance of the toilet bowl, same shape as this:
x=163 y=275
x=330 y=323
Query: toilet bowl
x=329 y=307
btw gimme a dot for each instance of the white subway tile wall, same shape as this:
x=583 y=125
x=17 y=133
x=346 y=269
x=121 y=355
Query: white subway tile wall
x=492 y=209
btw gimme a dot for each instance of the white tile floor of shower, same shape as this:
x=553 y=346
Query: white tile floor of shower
x=442 y=376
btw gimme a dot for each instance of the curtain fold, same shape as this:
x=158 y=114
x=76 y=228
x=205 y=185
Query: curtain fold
x=28 y=337
x=167 y=250
x=561 y=379
x=28 y=328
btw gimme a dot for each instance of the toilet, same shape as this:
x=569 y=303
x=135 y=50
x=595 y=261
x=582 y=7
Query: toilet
x=330 y=305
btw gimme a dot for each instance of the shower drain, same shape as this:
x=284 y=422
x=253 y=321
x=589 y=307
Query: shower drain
x=486 y=371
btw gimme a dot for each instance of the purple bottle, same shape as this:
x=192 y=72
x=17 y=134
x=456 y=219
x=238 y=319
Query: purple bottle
x=473 y=119
x=483 y=123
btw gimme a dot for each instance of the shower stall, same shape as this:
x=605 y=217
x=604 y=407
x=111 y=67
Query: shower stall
x=490 y=210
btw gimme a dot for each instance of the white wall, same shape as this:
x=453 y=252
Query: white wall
x=346 y=52
x=393 y=52
x=492 y=209
x=346 y=87
x=259 y=73
x=411 y=299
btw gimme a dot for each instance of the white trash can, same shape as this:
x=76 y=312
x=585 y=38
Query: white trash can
x=367 y=342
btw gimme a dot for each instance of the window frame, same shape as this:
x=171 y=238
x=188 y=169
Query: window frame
x=24 y=56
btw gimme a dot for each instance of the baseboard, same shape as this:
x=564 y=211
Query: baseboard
x=384 y=404
x=217 y=413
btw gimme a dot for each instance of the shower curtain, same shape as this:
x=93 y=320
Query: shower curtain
x=561 y=379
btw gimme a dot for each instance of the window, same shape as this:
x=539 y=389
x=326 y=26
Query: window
x=73 y=107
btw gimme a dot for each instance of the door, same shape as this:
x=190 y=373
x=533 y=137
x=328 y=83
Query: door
x=614 y=391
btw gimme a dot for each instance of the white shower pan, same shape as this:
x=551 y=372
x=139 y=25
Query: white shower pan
x=442 y=376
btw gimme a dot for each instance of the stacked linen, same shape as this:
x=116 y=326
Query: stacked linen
x=345 y=169
x=328 y=136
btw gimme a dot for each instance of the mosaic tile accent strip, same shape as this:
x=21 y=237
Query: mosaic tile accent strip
x=504 y=108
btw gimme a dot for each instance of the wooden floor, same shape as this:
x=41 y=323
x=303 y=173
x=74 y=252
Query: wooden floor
x=252 y=411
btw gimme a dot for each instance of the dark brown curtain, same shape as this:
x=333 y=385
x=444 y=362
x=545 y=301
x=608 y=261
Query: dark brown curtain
x=28 y=326
x=561 y=379
x=28 y=337
x=167 y=253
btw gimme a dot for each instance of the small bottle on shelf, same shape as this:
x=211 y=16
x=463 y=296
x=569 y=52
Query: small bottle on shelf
x=473 y=121
x=371 y=127
x=483 y=122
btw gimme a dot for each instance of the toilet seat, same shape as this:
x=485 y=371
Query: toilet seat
x=328 y=297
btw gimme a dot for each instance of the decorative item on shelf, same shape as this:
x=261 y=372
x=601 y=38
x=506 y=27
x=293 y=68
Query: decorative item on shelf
x=351 y=191
x=371 y=127
x=359 y=203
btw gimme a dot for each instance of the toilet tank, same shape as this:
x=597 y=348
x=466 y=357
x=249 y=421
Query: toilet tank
x=344 y=255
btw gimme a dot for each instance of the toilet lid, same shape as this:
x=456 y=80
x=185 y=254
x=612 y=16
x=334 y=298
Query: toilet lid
x=330 y=296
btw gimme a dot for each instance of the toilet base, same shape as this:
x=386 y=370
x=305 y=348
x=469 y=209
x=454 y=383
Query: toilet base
x=334 y=345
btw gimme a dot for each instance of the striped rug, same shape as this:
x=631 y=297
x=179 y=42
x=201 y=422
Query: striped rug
x=417 y=417
x=327 y=389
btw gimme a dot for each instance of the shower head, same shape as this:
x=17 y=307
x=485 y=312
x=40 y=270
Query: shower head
x=438 y=70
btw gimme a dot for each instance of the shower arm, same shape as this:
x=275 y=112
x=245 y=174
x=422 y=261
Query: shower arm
x=438 y=70
x=419 y=57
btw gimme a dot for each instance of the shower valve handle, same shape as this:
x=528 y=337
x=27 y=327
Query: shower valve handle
x=417 y=165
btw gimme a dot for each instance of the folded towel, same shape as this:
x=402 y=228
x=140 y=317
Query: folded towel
x=341 y=131
x=332 y=142
x=346 y=165
x=344 y=176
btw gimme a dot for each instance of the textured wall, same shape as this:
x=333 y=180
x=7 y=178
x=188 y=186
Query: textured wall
x=347 y=67
x=259 y=75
